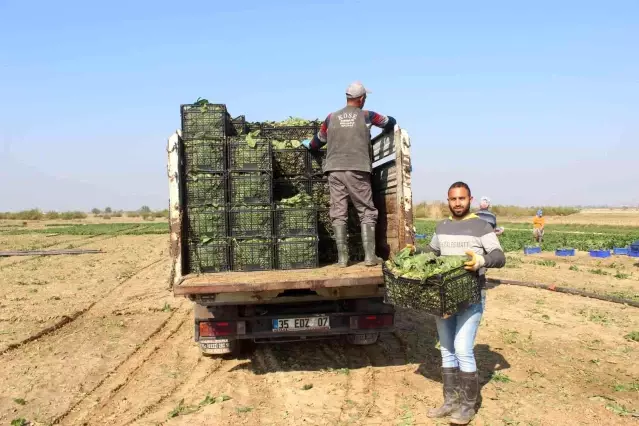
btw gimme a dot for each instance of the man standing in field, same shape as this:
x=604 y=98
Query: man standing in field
x=463 y=233
x=348 y=165
x=539 y=223
x=490 y=217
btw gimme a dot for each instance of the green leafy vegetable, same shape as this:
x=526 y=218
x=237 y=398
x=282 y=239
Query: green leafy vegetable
x=424 y=265
x=294 y=216
x=300 y=200
x=297 y=252
x=251 y=220
x=288 y=160
x=252 y=254
x=207 y=222
x=250 y=188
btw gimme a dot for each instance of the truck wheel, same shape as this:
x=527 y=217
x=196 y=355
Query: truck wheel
x=362 y=339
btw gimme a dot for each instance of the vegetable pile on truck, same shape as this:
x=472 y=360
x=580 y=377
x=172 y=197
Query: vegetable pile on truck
x=251 y=238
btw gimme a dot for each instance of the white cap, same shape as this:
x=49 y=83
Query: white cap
x=356 y=90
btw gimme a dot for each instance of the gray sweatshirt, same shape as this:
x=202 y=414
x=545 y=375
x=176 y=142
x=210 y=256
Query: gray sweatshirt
x=454 y=237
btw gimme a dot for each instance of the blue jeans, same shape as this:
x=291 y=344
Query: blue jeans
x=457 y=337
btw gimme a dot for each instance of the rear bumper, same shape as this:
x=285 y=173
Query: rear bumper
x=259 y=330
x=220 y=346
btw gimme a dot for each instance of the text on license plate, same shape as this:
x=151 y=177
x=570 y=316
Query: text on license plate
x=293 y=324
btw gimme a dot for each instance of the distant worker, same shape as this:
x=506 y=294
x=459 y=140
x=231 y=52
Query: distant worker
x=490 y=217
x=539 y=223
x=348 y=165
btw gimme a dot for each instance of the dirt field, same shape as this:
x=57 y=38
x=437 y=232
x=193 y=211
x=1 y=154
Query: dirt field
x=100 y=340
x=613 y=217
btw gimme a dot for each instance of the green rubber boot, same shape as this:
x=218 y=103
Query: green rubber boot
x=368 y=241
x=342 y=246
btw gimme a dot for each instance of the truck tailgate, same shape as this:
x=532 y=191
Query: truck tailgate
x=329 y=276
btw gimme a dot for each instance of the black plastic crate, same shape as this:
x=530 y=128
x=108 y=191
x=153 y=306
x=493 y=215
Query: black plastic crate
x=297 y=253
x=207 y=222
x=290 y=187
x=440 y=295
x=252 y=254
x=206 y=121
x=202 y=155
x=206 y=189
x=315 y=161
x=285 y=132
x=246 y=158
x=239 y=126
x=290 y=162
x=324 y=224
x=250 y=188
x=251 y=221
x=295 y=222
x=327 y=251
x=209 y=256
x=355 y=247
x=320 y=193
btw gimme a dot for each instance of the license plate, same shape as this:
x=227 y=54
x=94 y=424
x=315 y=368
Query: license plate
x=296 y=324
x=216 y=345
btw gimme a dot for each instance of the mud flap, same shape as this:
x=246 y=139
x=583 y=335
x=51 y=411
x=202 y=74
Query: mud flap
x=218 y=346
x=362 y=339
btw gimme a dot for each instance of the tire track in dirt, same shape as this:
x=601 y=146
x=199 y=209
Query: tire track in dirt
x=53 y=372
x=115 y=383
x=359 y=396
x=186 y=386
x=69 y=319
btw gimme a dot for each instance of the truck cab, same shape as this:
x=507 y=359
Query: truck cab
x=302 y=304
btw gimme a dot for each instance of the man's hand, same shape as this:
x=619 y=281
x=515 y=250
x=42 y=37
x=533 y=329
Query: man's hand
x=476 y=261
x=307 y=143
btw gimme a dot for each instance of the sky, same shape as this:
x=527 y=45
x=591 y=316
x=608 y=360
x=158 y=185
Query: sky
x=530 y=103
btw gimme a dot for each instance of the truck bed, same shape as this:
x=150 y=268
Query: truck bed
x=329 y=276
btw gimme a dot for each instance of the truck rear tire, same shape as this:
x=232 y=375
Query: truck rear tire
x=362 y=339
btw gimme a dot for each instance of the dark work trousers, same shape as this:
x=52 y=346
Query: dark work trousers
x=357 y=186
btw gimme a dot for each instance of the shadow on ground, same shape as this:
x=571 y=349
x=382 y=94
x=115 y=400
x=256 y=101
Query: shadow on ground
x=413 y=342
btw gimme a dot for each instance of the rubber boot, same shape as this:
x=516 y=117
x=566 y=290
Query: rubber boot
x=368 y=241
x=342 y=246
x=469 y=386
x=450 y=377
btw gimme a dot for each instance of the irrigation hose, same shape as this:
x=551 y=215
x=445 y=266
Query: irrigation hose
x=566 y=290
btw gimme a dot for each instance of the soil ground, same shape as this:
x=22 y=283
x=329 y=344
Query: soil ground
x=613 y=217
x=100 y=339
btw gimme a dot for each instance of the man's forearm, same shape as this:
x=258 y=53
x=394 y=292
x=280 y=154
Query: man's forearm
x=390 y=126
x=495 y=259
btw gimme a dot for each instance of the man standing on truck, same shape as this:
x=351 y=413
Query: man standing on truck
x=463 y=233
x=349 y=165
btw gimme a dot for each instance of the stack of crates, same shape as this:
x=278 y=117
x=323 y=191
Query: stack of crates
x=234 y=181
x=250 y=187
x=204 y=129
x=296 y=242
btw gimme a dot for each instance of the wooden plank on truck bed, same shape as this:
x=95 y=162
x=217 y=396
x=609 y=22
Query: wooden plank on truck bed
x=329 y=276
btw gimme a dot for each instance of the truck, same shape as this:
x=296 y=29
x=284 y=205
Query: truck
x=233 y=308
